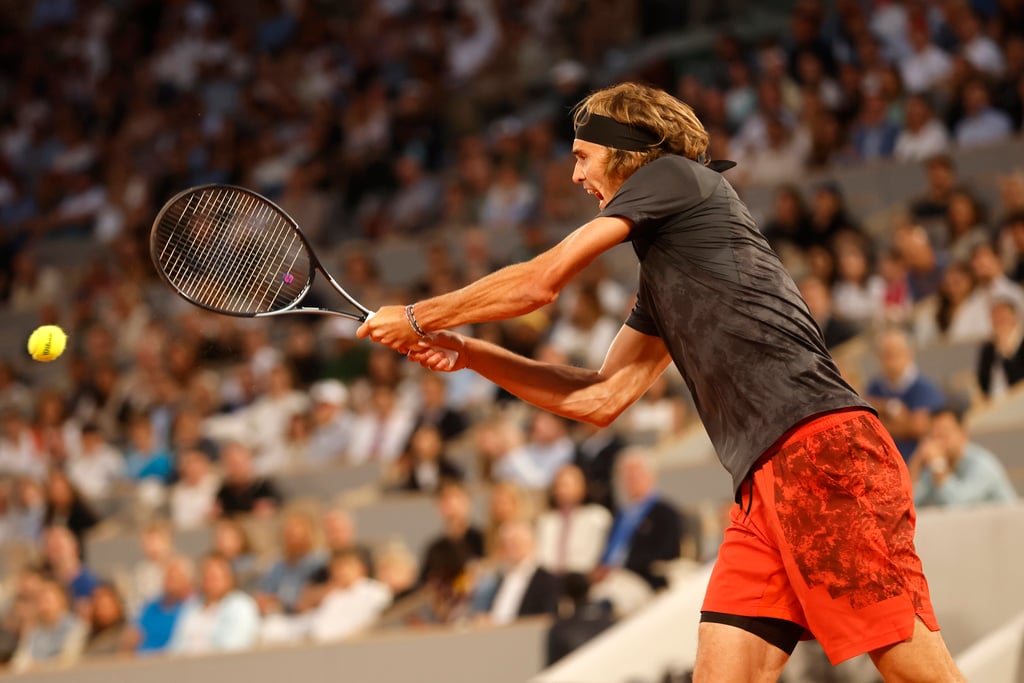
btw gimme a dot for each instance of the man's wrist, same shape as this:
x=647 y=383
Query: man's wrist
x=410 y=315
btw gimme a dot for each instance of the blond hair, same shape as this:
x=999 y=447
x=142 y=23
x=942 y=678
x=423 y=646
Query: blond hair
x=634 y=104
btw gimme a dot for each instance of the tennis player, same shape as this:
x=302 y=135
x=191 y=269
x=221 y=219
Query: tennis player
x=821 y=538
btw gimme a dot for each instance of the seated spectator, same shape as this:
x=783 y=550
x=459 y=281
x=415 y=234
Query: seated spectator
x=1001 y=358
x=145 y=457
x=395 y=567
x=382 y=431
x=942 y=180
x=242 y=492
x=548 y=447
x=193 y=496
x=903 y=397
x=426 y=464
x=646 y=530
x=924 y=263
x=572 y=534
x=595 y=454
x=579 y=619
x=982 y=124
x=857 y=294
x=20 y=453
x=63 y=560
x=147 y=576
x=96 y=466
x=435 y=409
x=27 y=518
x=948 y=469
x=221 y=618
x=353 y=600
x=508 y=503
x=873 y=134
x=339 y=533
x=454 y=506
x=923 y=135
x=959 y=313
x=896 y=300
x=658 y=415
x=331 y=424
x=835 y=331
x=281 y=587
x=231 y=541
x=19 y=610
x=66 y=507
x=965 y=225
x=109 y=631
x=991 y=279
x=187 y=434
x=520 y=587
x=56 y=637
x=584 y=334
x=157 y=618
x=927 y=65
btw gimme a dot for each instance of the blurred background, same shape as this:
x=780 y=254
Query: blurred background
x=189 y=494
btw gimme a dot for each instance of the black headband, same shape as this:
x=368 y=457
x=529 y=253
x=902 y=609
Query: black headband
x=602 y=130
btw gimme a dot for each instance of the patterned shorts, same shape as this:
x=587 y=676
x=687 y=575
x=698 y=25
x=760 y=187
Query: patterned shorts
x=823 y=536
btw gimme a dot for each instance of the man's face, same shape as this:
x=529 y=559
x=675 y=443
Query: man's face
x=591 y=171
x=949 y=435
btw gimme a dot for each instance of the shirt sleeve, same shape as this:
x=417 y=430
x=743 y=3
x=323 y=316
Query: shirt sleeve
x=640 y=318
x=667 y=186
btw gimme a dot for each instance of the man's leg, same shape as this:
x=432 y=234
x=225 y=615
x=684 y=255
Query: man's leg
x=727 y=654
x=923 y=658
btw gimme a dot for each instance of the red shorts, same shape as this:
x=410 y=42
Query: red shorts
x=824 y=537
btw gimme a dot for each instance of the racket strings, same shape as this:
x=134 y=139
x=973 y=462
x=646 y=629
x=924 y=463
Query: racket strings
x=230 y=250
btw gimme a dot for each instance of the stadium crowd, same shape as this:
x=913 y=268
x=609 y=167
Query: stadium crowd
x=385 y=120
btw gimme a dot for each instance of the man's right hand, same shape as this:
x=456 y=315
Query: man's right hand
x=435 y=350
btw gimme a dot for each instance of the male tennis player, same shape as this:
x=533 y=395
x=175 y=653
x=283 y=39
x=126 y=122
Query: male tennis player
x=821 y=538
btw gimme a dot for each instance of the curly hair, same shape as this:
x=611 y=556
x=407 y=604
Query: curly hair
x=634 y=104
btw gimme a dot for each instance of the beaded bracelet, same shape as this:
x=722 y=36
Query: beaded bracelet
x=411 y=317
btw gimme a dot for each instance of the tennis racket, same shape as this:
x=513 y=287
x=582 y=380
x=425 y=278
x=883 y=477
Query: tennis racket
x=232 y=251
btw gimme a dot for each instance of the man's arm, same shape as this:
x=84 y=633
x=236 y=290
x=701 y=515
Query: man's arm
x=507 y=293
x=633 y=362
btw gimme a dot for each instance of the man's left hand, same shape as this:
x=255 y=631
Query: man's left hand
x=390 y=327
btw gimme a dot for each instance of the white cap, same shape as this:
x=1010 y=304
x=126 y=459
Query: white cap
x=329 y=391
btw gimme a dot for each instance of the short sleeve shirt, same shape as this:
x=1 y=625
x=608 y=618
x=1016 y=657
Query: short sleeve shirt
x=726 y=308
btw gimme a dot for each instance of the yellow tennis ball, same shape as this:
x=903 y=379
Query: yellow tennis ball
x=46 y=343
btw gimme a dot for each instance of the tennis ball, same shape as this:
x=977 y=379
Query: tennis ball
x=46 y=343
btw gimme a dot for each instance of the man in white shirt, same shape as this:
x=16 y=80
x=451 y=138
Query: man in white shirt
x=332 y=423
x=194 y=495
x=927 y=66
x=923 y=136
x=534 y=464
x=95 y=466
x=523 y=587
x=353 y=601
x=381 y=432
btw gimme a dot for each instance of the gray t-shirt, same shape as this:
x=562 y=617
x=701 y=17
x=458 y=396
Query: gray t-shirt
x=728 y=311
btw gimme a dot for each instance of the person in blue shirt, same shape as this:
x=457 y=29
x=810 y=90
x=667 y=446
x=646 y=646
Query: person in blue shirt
x=903 y=397
x=282 y=587
x=145 y=457
x=947 y=469
x=158 y=618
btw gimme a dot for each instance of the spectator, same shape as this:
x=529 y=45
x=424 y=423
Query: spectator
x=597 y=450
x=980 y=50
x=896 y=300
x=221 y=618
x=453 y=504
x=548 y=447
x=874 y=135
x=428 y=465
x=20 y=454
x=1001 y=358
x=241 y=491
x=923 y=135
x=187 y=434
x=835 y=331
x=965 y=225
x=108 y=625
x=353 y=600
x=144 y=456
x=959 y=313
x=571 y=535
x=57 y=636
x=579 y=620
x=657 y=416
x=902 y=395
x=158 y=618
x=858 y=294
x=991 y=280
x=281 y=587
x=434 y=409
x=790 y=222
x=585 y=334
x=982 y=124
x=508 y=503
x=231 y=541
x=928 y=66
x=62 y=559
x=382 y=431
x=647 y=529
x=828 y=218
x=193 y=497
x=942 y=180
x=19 y=611
x=96 y=466
x=331 y=424
x=949 y=470
x=924 y=265
x=147 y=576
x=521 y=587
x=65 y=506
